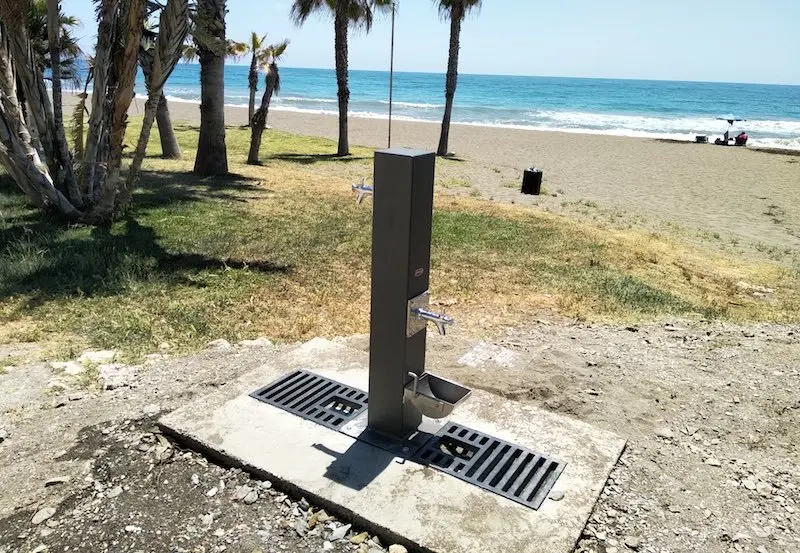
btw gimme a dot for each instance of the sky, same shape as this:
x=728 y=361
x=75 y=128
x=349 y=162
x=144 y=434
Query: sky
x=754 y=41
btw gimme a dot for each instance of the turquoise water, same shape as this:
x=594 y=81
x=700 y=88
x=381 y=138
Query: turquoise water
x=605 y=106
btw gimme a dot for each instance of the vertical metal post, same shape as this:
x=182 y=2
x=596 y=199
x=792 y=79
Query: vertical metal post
x=401 y=248
x=391 y=76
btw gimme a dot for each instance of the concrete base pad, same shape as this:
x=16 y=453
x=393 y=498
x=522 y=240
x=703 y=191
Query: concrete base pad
x=411 y=504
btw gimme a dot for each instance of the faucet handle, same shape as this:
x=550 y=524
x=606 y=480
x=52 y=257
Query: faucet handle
x=362 y=190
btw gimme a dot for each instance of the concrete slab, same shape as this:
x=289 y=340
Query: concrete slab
x=413 y=505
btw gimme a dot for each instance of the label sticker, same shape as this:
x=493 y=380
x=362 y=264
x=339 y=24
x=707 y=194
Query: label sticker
x=419 y=272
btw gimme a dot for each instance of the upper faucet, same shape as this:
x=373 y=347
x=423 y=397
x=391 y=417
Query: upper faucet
x=363 y=189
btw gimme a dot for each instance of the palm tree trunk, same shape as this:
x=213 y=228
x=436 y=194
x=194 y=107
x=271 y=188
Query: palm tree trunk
x=452 y=77
x=259 y=121
x=125 y=77
x=66 y=173
x=252 y=78
x=150 y=108
x=212 y=155
x=170 y=149
x=340 y=45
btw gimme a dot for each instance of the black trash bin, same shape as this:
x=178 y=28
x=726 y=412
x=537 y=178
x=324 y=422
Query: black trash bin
x=532 y=181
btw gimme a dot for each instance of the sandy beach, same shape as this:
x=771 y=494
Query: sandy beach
x=741 y=194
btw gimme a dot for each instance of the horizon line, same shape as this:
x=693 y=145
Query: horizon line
x=460 y=73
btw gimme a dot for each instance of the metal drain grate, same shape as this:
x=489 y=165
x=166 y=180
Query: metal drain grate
x=514 y=472
x=314 y=398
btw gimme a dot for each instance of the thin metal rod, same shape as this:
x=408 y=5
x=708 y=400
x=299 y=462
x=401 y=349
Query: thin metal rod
x=391 y=77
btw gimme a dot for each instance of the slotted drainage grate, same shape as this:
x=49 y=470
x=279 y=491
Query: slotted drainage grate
x=514 y=472
x=314 y=398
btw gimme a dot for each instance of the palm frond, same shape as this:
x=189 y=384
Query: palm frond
x=456 y=8
x=302 y=9
x=189 y=52
x=236 y=49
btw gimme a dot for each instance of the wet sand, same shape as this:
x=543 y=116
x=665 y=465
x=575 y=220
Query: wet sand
x=740 y=193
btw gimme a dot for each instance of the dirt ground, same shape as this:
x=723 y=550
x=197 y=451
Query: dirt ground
x=711 y=412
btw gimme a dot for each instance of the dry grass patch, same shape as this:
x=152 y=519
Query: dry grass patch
x=282 y=250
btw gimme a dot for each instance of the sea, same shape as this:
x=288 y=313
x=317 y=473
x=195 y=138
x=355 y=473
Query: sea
x=641 y=108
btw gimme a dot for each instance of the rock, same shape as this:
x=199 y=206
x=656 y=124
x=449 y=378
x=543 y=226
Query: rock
x=212 y=492
x=3 y=435
x=40 y=548
x=56 y=481
x=207 y=519
x=739 y=537
x=219 y=532
x=115 y=375
x=300 y=527
x=674 y=509
x=359 y=538
x=131 y=529
x=397 y=548
x=195 y=479
x=556 y=495
x=97 y=357
x=327 y=546
x=77 y=396
x=713 y=461
x=665 y=432
x=257 y=343
x=632 y=542
x=220 y=343
x=304 y=505
x=152 y=409
x=241 y=492
x=764 y=488
x=340 y=532
x=68 y=367
x=761 y=549
x=42 y=515
x=749 y=483
x=251 y=497
x=114 y=492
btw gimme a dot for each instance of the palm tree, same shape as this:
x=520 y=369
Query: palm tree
x=212 y=48
x=39 y=167
x=346 y=13
x=159 y=58
x=455 y=11
x=272 y=81
x=256 y=48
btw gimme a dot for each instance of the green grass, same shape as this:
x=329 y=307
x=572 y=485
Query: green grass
x=282 y=250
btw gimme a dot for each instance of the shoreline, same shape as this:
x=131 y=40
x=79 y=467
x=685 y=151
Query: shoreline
x=642 y=135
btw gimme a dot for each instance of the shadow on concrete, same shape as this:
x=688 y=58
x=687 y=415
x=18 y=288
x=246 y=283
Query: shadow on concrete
x=358 y=466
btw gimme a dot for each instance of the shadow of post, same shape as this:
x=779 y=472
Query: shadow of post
x=357 y=467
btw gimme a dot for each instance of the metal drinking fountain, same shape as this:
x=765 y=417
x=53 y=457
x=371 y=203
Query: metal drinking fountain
x=401 y=391
x=403 y=410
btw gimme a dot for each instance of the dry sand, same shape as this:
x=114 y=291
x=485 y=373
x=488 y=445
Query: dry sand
x=741 y=194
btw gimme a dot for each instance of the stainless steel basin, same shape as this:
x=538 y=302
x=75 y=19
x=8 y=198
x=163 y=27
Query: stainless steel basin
x=434 y=396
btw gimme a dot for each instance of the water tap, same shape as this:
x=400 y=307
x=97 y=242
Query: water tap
x=362 y=190
x=439 y=319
